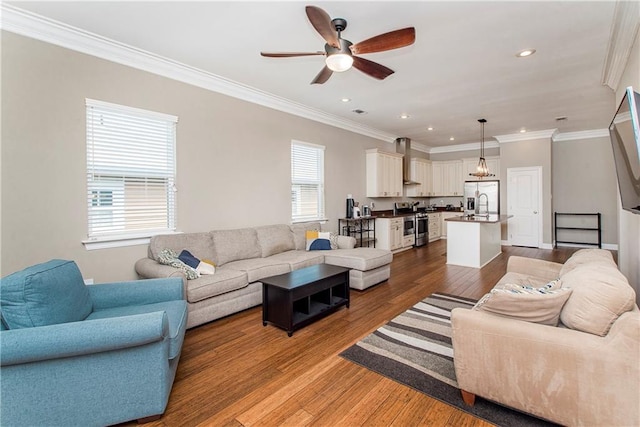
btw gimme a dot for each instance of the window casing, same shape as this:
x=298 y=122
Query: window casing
x=130 y=172
x=307 y=182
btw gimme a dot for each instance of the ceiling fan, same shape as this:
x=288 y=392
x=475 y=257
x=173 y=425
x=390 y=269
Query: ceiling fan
x=340 y=53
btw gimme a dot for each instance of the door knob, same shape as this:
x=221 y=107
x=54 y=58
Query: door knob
x=535 y=212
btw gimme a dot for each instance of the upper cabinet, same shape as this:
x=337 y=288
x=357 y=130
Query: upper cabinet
x=471 y=166
x=384 y=174
x=420 y=171
x=448 y=178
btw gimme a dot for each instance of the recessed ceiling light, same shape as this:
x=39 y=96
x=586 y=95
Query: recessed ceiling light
x=404 y=116
x=429 y=128
x=345 y=99
x=452 y=139
x=523 y=130
x=526 y=52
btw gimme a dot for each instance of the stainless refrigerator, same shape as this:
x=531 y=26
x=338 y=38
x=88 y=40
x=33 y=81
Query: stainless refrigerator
x=482 y=197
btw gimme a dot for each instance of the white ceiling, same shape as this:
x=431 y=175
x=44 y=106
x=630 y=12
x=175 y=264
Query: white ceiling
x=462 y=66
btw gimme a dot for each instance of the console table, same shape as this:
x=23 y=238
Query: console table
x=300 y=297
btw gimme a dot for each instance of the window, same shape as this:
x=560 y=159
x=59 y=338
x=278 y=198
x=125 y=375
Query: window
x=130 y=172
x=307 y=182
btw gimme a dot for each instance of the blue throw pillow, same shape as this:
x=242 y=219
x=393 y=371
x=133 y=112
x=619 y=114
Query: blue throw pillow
x=44 y=294
x=186 y=257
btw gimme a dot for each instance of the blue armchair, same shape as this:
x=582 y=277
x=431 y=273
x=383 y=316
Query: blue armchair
x=81 y=355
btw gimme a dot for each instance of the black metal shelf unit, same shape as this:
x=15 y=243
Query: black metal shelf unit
x=581 y=218
x=363 y=229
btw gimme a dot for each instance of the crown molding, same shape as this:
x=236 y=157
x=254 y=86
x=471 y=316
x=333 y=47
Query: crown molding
x=585 y=134
x=527 y=136
x=22 y=22
x=462 y=147
x=626 y=22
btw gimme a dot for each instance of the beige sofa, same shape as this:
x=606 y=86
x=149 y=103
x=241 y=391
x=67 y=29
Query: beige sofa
x=244 y=256
x=585 y=371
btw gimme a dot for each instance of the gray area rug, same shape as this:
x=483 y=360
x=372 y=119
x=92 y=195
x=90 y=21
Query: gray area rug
x=415 y=349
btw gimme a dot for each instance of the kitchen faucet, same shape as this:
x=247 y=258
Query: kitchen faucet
x=486 y=204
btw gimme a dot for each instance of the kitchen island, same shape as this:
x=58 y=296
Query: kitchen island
x=473 y=241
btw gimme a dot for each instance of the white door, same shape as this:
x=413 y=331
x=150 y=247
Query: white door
x=525 y=204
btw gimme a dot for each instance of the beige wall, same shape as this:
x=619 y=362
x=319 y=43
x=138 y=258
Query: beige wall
x=233 y=156
x=629 y=224
x=584 y=180
x=524 y=154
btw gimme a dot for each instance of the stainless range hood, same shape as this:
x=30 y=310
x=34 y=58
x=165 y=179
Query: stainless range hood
x=403 y=146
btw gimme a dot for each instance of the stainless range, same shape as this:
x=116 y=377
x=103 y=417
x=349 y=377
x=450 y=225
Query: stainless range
x=422 y=228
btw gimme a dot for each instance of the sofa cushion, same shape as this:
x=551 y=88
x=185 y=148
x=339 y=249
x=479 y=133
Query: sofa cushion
x=601 y=294
x=259 y=268
x=299 y=233
x=44 y=294
x=587 y=256
x=362 y=259
x=299 y=259
x=199 y=244
x=233 y=245
x=224 y=280
x=275 y=239
x=176 y=313
x=537 y=305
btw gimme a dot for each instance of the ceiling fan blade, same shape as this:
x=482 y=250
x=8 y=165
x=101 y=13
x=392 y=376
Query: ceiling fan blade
x=323 y=76
x=386 y=41
x=290 y=54
x=371 y=68
x=321 y=21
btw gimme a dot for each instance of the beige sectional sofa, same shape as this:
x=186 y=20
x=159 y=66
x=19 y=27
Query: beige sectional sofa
x=244 y=256
x=584 y=371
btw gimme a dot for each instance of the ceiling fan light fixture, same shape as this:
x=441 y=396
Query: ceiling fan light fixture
x=339 y=62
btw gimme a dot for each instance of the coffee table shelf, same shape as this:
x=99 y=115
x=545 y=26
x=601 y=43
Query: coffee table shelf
x=296 y=299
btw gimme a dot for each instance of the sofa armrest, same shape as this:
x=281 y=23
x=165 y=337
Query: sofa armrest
x=148 y=268
x=137 y=292
x=346 y=242
x=564 y=375
x=534 y=267
x=63 y=340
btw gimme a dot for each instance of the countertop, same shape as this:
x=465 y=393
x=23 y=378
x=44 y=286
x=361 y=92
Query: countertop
x=480 y=218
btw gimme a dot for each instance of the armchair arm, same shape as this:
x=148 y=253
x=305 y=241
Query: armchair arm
x=534 y=267
x=567 y=376
x=81 y=338
x=136 y=292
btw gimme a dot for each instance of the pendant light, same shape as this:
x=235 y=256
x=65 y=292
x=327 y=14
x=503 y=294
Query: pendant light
x=482 y=170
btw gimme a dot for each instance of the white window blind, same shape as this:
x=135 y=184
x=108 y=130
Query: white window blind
x=130 y=171
x=307 y=182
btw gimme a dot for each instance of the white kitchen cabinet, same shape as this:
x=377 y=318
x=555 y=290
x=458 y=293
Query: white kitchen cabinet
x=437 y=184
x=447 y=178
x=434 y=226
x=384 y=174
x=443 y=223
x=420 y=171
x=389 y=233
x=408 y=241
x=453 y=181
x=471 y=166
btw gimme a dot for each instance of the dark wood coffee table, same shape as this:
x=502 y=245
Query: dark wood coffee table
x=295 y=299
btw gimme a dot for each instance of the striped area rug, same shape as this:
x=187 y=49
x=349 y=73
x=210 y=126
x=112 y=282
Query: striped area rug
x=415 y=349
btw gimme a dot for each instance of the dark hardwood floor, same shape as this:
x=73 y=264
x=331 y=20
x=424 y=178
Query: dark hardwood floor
x=235 y=372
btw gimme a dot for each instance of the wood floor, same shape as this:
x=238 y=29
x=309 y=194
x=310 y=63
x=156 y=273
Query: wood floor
x=235 y=372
